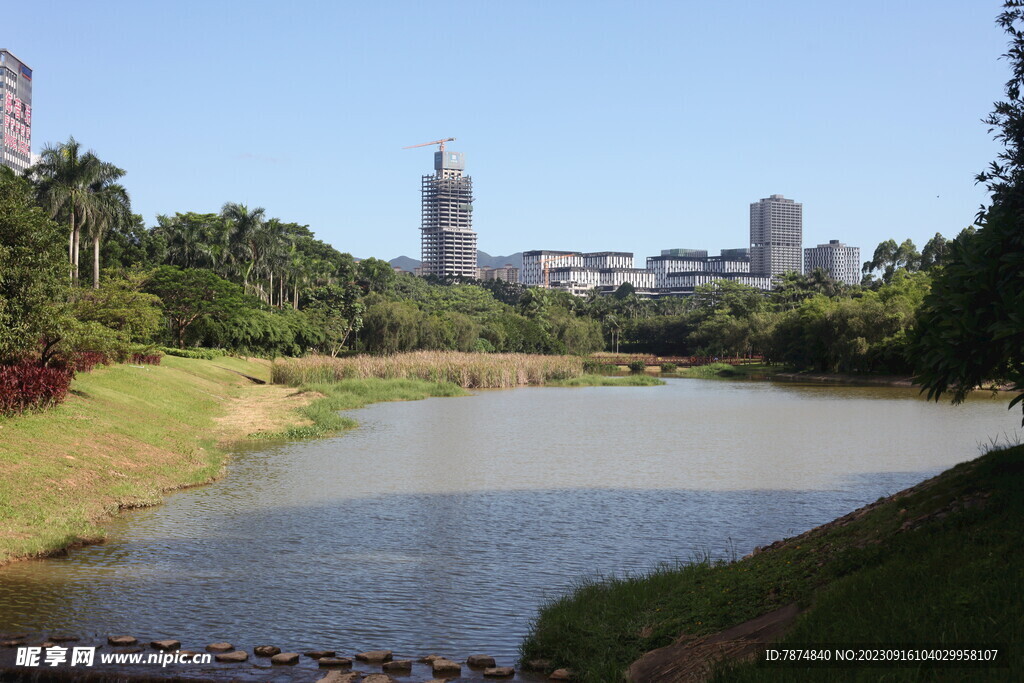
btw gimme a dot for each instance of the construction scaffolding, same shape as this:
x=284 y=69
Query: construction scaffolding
x=447 y=240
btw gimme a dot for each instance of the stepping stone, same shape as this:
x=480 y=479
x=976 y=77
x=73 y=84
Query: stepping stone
x=166 y=644
x=122 y=640
x=481 y=661
x=285 y=658
x=429 y=659
x=327 y=662
x=127 y=650
x=499 y=672
x=445 y=667
x=220 y=647
x=48 y=644
x=232 y=657
x=398 y=665
x=11 y=643
x=378 y=678
x=265 y=650
x=561 y=675
x=374 y=656
x=338 y=677
x=320 y=654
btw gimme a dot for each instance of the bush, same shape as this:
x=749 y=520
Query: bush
x=85 y=361
x=27 y=386
x=146 y=358
x=637 y=366
x=669 y=367
x=201 y=354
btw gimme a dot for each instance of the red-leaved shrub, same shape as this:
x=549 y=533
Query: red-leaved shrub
x=26 y=386
x=85 y=361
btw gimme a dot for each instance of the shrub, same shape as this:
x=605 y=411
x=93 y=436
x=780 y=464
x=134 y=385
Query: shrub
x=85 y=361
x=202 y=354
x=669 y=367
x=146 y=358
x=636 y=366
x=26 y=386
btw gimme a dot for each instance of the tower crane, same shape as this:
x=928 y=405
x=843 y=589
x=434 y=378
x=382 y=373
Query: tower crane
x=432 y=142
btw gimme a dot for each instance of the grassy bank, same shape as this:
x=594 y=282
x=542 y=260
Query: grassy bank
x=348 y=394
x=466 y=370
x=607 y=381
x=726 y=371
x=124 y=436
x=941 y=563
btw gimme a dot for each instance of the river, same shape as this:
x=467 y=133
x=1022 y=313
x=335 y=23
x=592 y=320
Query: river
x=441 y=525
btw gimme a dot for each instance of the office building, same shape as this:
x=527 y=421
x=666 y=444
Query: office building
x=776 y=236
x=841 y=262
x=16 y=84
x=447 y=240
x=508 y=273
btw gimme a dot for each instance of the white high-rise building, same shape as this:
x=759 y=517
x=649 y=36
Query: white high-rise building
x=841 y=262
x=16 y=92
x=776 y=236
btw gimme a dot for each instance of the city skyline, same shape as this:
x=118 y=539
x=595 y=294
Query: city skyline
x=608 y=126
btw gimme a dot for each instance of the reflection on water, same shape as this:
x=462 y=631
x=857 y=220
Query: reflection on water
x=440 y=525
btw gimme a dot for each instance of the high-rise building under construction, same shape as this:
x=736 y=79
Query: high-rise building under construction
x=447 y=240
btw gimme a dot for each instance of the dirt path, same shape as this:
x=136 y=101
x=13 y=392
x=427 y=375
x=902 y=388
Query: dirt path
x=261 y=409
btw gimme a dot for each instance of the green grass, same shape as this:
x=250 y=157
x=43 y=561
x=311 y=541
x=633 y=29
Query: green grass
x=356 y=393
x=124 y=436
x=942 y=564
x=726 y=371
x=606 y=381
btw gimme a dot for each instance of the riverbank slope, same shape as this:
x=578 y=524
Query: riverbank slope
x=939 y=564
x=126 y=435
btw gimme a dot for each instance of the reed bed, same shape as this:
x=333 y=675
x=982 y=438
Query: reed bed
x=467 y=370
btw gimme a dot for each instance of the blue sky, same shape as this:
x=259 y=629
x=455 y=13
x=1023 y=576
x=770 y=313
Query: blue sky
x=626 y=126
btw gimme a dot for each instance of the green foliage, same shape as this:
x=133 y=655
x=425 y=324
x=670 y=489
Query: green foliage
x=190 y=294
x=119 y=305
x=33 y=274
x=637 y=366
x=669 y=367
x=195 y=353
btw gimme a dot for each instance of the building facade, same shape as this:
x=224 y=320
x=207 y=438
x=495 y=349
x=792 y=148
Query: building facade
x=508 y=273
x=841 y=262
x=776 y=236
x=16 y=84
x=447 y=239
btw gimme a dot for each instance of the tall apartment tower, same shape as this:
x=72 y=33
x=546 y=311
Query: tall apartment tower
x=16 y=90
x=841 y=262
x=776 y=236
x=447 y=240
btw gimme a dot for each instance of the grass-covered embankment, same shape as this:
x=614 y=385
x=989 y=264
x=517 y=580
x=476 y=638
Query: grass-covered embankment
x=607 y=381
x=124 y=436
x=940 y=563
x=727 y=371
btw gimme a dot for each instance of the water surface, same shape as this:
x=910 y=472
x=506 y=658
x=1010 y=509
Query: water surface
x=441 y=525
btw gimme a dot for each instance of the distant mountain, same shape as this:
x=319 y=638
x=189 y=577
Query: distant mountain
x=483 y=259
x=405 y=263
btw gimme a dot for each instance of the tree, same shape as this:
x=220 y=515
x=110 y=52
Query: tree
x=935 y=252
x=67 y=183
x=111 y=208
x=971 y=326
x=188 y=295
x=890 y=257
x=33 y=274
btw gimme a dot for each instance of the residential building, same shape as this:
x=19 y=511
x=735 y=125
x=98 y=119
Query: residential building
x=776 y=236
x=508 y=273
x=841 y=262
x=16 y=87
x=676 y=261
x=448 y=242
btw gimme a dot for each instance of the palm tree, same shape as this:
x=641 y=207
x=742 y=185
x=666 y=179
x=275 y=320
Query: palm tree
x=111 y=208
x=244 y=235
x=66 y=184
